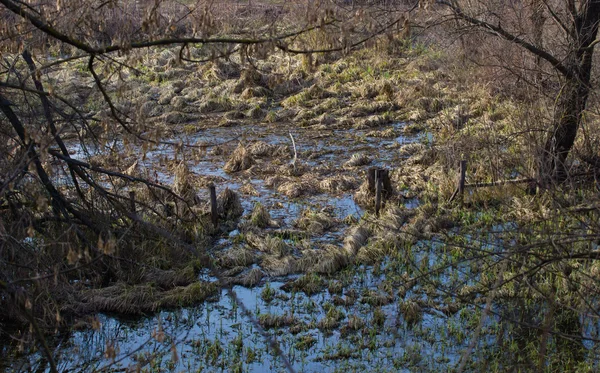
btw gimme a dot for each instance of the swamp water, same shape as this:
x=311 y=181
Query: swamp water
x=359 y=319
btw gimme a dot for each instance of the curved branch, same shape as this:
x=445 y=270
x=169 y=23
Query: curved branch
x=46 y=28
x=501 y=32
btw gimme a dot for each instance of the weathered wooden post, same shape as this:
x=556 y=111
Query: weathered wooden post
x=378 y=185
x=460 y=188
x=214 y=214
x=461 y=180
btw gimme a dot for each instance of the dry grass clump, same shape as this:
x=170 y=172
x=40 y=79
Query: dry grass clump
x=248 y=78
x=138 y=299
x=356 y=323
x=358 y=159
x=149 y=109
x=378 y=247
x=357 y=237
x=370 y=108
x=213 y=105
x=252 y=92
x=389 y=133
x=236 y=257
x=180 y=103
x=393 y=218
x=374 y=298
x=268 y=320
x=249 y=279
x=315 y=222
x=365 y=91
x=269 y=245
x=364 y=196
x=326 y=119
x=335 y=287
x=225 y=123
x=305 y=98
x=328 y=260
x=240 y=160
x=304 y=115
x=136 y=170
x=234 y=115
x=338 y=183
x=261 y=149
x=248 y=190
x=310 y=284
x=409 y=150
x=332 y=318
x=372 y=121
x=188 y=295
x=167 y=279
x=411 y=311
x=329 y=105
x=283 y=88
x=276 y=267
x=256 y=113
x=431 y=105
x=298 y=188
x=182 y=184
x=260 y=216
x=175 y=117
x=229 y=205
x=219 y=70
x=275 y=181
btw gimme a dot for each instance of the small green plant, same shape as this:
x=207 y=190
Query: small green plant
x=268 y=293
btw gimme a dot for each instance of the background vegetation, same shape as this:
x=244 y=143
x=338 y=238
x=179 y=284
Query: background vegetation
x=88 y=90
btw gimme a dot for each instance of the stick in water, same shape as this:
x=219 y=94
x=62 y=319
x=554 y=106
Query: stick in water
x=295 y=151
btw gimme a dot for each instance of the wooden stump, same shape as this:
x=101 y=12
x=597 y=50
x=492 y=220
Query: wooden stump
x=380 y=185
x=386 y=184
x=213 y=205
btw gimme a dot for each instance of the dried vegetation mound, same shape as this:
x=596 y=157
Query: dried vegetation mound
x=338 y=183
x=219 y=70
x=270 y=245
x=240 y=160
x=358 y=159
x=357 y=237
x=315 y=222
x=276 y=267
x=236 y=257
x=229 y=205
x=364 y=196
x=249 y=78
x=139 y=299
x=327 y=260
x=250 y=278
x=182 y=183
x=260 y=217
x=298 y=188
x=309 y=283
x=261 y=149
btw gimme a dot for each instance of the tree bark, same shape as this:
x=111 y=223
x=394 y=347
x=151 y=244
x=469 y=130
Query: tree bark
x=573 y=97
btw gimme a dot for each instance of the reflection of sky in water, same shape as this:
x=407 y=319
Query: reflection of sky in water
x=193 y=330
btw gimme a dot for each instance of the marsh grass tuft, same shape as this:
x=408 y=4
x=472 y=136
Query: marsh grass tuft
x=357 y=237
x=240 y=160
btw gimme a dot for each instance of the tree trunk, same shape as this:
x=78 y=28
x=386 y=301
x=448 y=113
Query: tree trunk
x=573 y=97
x=567 y=116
